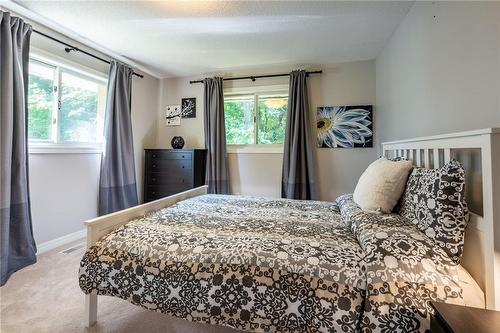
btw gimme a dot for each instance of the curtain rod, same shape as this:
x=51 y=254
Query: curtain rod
x=70 y=48
x=254 y=77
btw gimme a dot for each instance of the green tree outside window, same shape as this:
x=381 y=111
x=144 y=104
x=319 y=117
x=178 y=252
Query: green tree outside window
x=77 y=117
x=40 y=104
x=247 y=122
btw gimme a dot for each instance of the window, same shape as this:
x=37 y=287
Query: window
x=255 y=119
x=40 y=101
x=239 y=113
x=65 y=106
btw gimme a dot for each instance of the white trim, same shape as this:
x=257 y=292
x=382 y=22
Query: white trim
x=52 y=148
x=256 y=89
x=68 y=65
x=42 y=20
x=52 y=244
x=255 y=149
x=447 y=136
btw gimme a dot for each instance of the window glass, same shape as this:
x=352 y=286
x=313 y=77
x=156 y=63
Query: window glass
x=81 y=109
x=239 y=116
x=256 y=118
x=272 y=119
x=64 y=104
x=41 y=101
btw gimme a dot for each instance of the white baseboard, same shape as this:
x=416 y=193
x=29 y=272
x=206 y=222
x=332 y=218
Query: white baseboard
x=52 y=244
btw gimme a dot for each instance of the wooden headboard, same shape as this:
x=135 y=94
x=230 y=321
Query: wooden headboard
x=479 y=152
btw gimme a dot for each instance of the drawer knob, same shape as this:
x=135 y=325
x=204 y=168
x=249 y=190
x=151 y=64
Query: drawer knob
x=154 y=179
x=182 y=156
x=183 y=166
x=154 y=192
x=154 y=165
x=154 y=155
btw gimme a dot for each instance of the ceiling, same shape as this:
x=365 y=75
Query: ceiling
x=184 y=38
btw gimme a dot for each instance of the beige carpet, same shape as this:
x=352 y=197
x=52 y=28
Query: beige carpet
x=45 y=297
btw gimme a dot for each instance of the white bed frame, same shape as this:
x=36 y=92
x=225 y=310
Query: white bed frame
x=482 y=238
x=482 y=244
x=101 y=226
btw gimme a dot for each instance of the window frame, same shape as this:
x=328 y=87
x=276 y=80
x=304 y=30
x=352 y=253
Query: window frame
x=54 y=145
x=256 y=91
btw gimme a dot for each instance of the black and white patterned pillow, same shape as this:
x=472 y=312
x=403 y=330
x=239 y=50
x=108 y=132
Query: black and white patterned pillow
x=434 y=200
x=399 y=158
x=347 y=208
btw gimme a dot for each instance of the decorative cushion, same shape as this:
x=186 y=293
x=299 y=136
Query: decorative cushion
x=399 y=158
x=348 y=208
x=382 y=184
x=434 y=200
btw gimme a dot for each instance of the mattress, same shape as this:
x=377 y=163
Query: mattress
x=275 y=265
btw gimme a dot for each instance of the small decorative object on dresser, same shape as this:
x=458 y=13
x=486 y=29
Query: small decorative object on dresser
x=450 y=318
x=177 y=142
x=170 y=171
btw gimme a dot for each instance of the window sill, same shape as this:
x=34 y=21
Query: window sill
x=38 y=148
x=255 y=149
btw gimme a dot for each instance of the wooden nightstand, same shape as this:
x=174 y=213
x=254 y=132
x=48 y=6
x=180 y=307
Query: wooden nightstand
x=450 y=318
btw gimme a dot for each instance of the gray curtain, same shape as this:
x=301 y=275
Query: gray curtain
x=117 y=187
x=298 y=158
x=17 y=245
x=217 y=174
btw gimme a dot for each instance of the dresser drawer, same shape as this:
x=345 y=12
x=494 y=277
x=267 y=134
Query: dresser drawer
x=171 y=155
x=171 y=166
x=171 y=179
x=157 y=192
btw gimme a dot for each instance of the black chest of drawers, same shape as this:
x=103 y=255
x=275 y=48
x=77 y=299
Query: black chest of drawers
x=170 y=171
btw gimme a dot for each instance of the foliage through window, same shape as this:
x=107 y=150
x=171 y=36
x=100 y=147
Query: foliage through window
x=64 y=106
x=255 y=118
x=40 y=101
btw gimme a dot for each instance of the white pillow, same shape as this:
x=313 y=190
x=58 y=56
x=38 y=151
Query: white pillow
x=382 y=184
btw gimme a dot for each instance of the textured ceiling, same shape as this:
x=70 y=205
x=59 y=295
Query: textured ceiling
x=180 y=38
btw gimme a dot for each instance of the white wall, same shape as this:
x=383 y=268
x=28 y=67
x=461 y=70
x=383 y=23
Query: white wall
x=63 y=190
x=64 y=187
x=145 y=99
x=191 y=129
x=440 y=72
x=260 y=174
x=345 y=84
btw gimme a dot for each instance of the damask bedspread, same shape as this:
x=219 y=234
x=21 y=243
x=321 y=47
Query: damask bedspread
x=274 y=265
x=250 y=263
x=405 y=270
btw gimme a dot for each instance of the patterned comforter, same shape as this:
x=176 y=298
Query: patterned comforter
x=264 y=265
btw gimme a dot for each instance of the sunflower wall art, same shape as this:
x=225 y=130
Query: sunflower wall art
x=344 y=126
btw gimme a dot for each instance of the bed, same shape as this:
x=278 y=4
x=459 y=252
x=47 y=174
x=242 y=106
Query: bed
x=278 y=265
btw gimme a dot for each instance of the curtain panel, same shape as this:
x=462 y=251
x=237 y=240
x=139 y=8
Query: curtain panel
x=17 y=244
x=298 y=181
x=217 y=173
x=117 y=185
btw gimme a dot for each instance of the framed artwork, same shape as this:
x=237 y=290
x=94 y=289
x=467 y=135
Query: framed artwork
x=173 y=115
x=345 y=126
x=188 y=107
